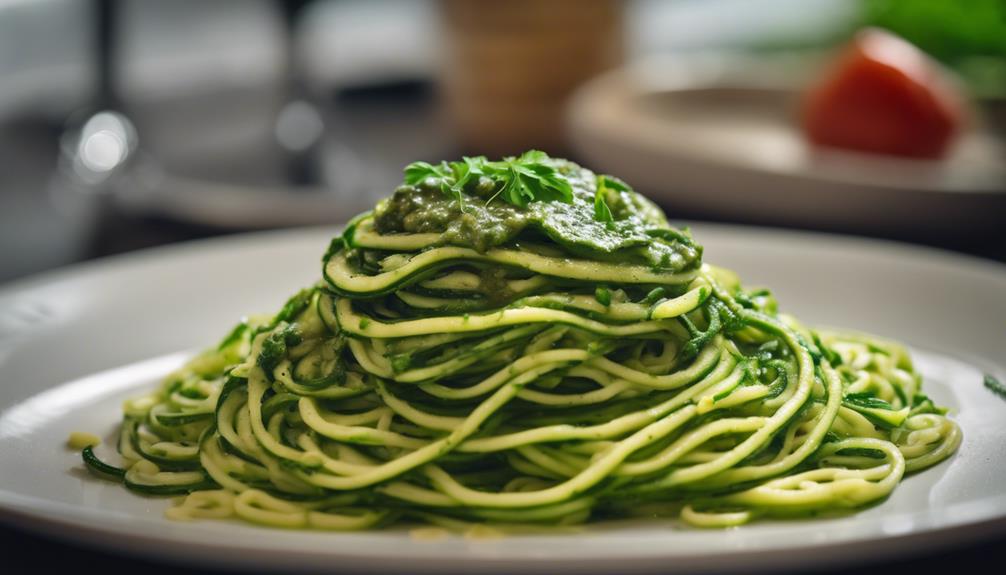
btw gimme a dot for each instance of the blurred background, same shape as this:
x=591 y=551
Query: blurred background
x=131 y=124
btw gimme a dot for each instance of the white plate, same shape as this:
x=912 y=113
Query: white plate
x=110 y=318
x=719 y=135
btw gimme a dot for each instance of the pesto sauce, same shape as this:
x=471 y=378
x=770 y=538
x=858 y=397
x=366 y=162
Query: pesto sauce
x=639 y=233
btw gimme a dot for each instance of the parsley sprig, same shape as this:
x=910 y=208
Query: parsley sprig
x=517 y=180
x=602 y=212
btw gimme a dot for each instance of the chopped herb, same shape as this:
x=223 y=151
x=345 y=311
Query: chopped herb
x=275 y=346
x=995 y=386
x=401 y=362
x=603 y=295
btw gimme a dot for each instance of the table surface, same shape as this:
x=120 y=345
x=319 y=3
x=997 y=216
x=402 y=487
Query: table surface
x=45 y=555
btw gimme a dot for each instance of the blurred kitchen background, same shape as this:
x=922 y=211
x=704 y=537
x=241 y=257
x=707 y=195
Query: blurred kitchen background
x=129 y=124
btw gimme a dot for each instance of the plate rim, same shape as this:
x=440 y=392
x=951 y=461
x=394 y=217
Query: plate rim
x=199 y=553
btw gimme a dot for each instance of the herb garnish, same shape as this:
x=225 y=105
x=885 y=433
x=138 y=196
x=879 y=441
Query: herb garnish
x=602 y=212
x=518 y=181
x=602 y=295
x=993 y=385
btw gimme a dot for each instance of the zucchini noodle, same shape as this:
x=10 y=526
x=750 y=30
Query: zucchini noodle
x=467 y=361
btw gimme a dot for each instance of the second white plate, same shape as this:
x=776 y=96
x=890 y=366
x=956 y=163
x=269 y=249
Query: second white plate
x=720 y=136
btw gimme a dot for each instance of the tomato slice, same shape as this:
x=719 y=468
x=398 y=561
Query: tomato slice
x=884 y=95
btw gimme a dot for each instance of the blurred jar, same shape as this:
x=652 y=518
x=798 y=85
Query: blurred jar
x=511 y=66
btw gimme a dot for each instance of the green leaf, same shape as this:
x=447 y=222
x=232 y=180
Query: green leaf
x=602 y=212
x=533 y=157
x=512 y=192
x=467 y=171
x=418 y=172
x=463 y=173
x=613 y=183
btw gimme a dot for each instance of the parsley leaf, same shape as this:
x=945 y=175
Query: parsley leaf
x=613 y=183
x=602 y=212
x=518 y=181
x=418 y=172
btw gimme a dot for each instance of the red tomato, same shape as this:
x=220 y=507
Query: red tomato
x=884 y=95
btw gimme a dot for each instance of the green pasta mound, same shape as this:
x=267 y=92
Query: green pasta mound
x=523 y=342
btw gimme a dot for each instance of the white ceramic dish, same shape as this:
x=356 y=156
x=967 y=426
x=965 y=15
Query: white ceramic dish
x=98 y=326
x=720 y=136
